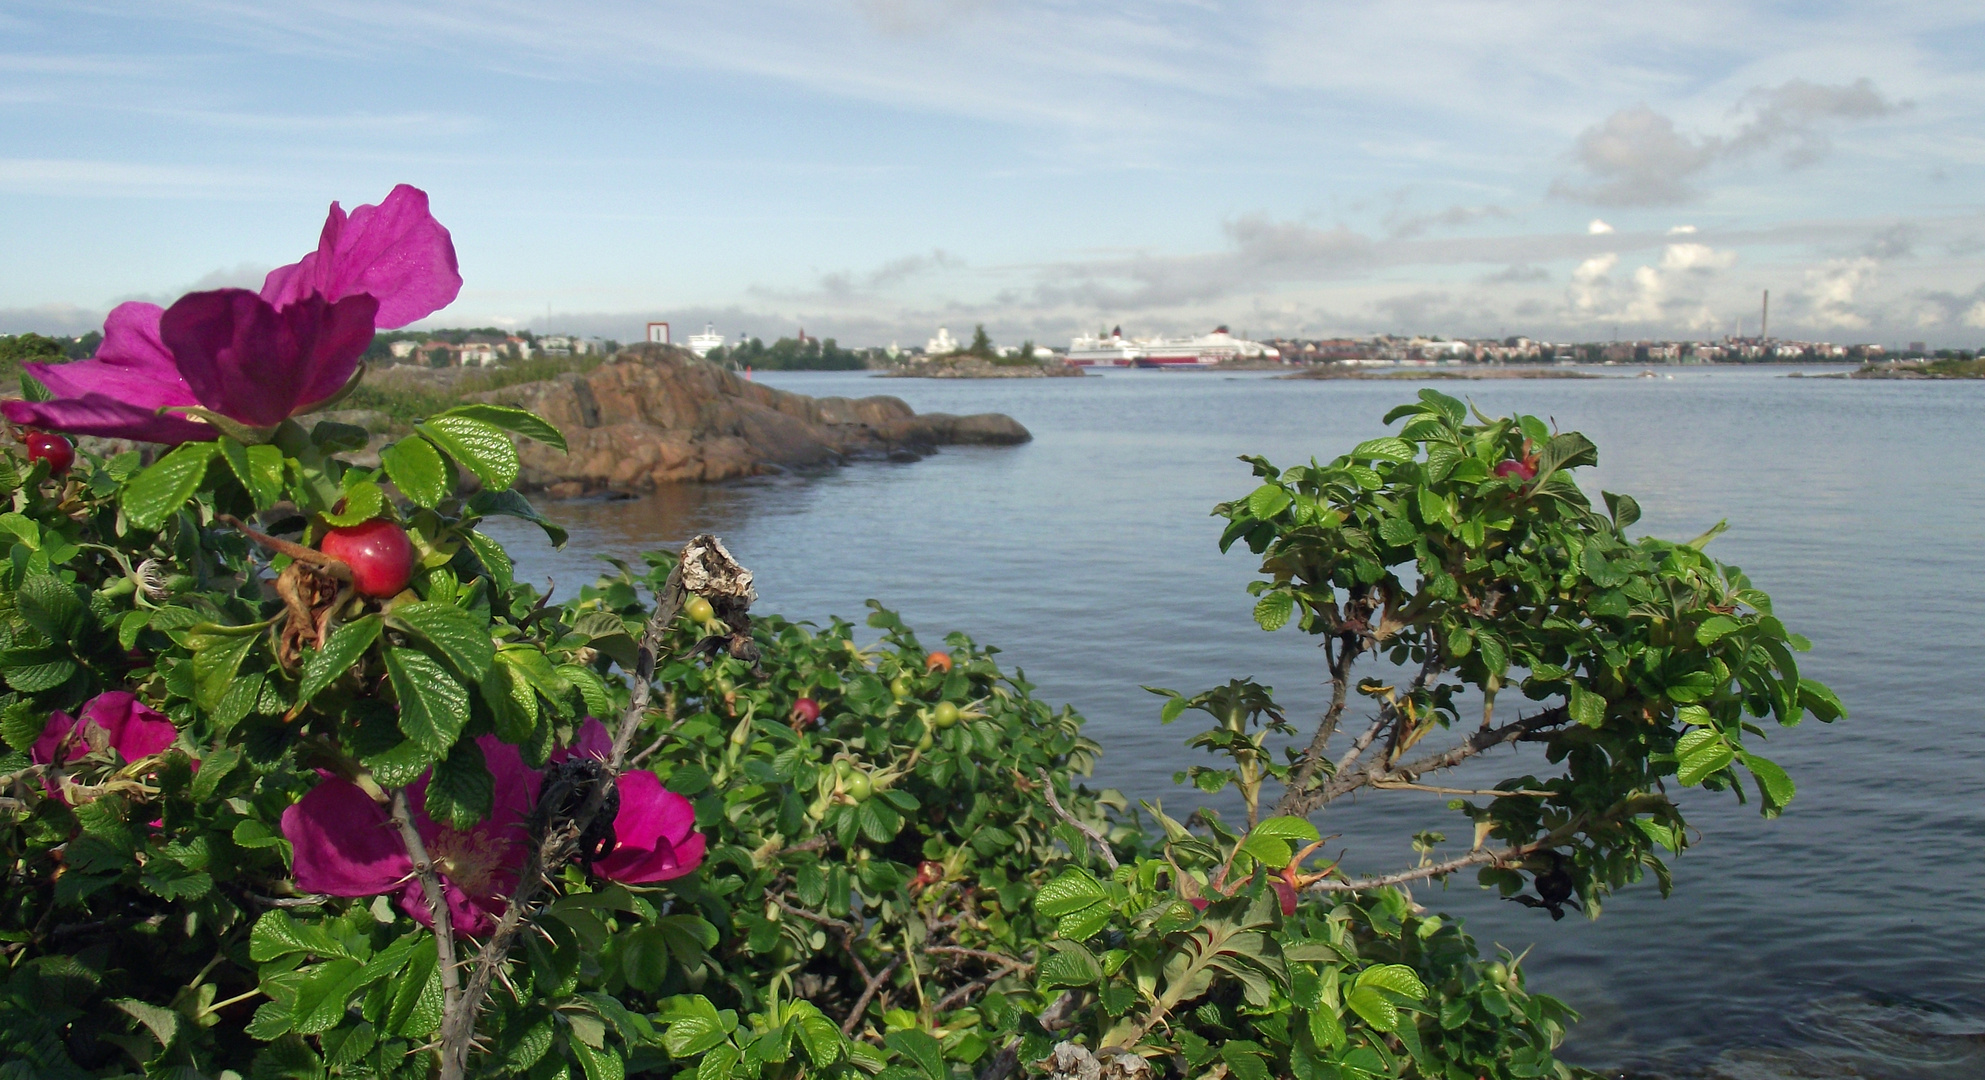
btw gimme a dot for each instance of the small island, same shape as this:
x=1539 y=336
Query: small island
x=1470 y=374
x=1943 y=367
x=944 y=359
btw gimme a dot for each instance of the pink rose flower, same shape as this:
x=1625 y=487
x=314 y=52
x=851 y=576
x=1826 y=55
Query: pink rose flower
x=256 y=358
x=345 y=844
x=114 y=720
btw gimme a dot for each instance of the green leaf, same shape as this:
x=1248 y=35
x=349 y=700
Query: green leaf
x=34 y=678
x=1775 y=781
x=153 y=495
x=1394 y=978
x=1704 y=762
x=277 y=934
x=921 y=1048
x=523 y=422
x=433 y=706
x=411 y=1014
x=259 y=468
x=695 y=1026
x=320 y=999
x=34 y=389
x=21 y=724
x=215 y=666
x=1069 y=964
x=1566 y=451
x=1390 y=448
x=401 y=765
x=416 y=468
x=511 y=703
x=460 y=635
x=1716 y=628
x=494 y=559
x=162 y=1023
x=1586 y=707
x=341 y=650
x=461 y=789
x=600 y=1063
x=1373 y=1007
x=1273 y=610
x=480 y=446
x=50 y=606
x=1268 y=500
x=364 y=500
x=1325 y=1028
x=1085 y=924
x=1624 y=510
x=1072 y=891
x=1287 y=828
x=1820 y=701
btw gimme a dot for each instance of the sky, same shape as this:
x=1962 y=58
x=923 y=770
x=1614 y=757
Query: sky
x=872 y=169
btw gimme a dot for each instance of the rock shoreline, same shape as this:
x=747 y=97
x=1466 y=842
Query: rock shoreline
x=976 y=368
x=652 y=416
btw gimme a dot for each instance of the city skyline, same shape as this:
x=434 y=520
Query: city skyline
x=873 y=169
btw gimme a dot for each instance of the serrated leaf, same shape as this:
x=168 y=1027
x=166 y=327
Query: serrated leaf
x=1072 y=890
x=214 y=769
x=494 y=559
x=433 y=706
x=49 y=605
x=341 y=650
x=401 y=765
x=409 y=1014
x=459 y=634
x=598 y=1063
x=1085 y=924
x=1777 y=783
x=1372 y=1007
x=1389 y=448
x=1396 y=978
x=215 y=667
x=1268 y=500
x=277 y=934
x=918 y=1046
x=522 y=421
x=512 y=704
x=1716 y=628
x=1817 y=699
x=416 y=468
x=1272 y=611
x=460 y=790
x=1070 y=964
x=34 y=678
x=481 y=447
x=1287 y=828
x=1704 y=762
x=259 y=468
x=364 y=500
x=153 y=495
x=161 y=1022
x=1586 y=707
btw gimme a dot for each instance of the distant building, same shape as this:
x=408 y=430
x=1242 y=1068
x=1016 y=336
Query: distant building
x=941 y=345
x=705 y=343
x=400 y=350
x=480 y=354
x=567 y=345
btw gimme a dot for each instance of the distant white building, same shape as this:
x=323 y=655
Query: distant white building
x=941 y=345
x=480 y=354
x=402 y=349
x=567 y=345
x=708 y=341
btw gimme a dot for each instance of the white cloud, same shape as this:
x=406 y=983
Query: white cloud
x=1976 y=316
x=1831 y=290
x=1598 y=228
x=1695 y=257
x=1681 y=230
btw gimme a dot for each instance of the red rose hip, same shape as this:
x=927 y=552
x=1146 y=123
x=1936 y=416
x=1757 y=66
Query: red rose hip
x=805 y=712
x=53 y=449
x=379 y=553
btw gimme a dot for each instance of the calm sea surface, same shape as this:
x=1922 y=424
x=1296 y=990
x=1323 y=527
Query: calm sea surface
x=1845 y=939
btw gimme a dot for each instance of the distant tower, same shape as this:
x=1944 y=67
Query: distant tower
x=1764 y=323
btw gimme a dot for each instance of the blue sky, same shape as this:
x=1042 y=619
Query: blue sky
x=869 y=169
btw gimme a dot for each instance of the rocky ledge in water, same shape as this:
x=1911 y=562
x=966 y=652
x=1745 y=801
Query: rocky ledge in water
x=652 y=416
x=974 y=367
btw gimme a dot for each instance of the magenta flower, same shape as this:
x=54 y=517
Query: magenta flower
x=256 y=359
x=345 y=844
x=114 y=720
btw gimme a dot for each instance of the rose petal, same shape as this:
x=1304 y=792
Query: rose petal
x=395 y=252
x=655 y=830
x=249 y=361
x=44 y=749
x=343 y=843
x=97 y=414
x=118 y=392
x=136 y=730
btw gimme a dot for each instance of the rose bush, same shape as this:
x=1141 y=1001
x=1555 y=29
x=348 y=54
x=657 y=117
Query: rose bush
x=264 y=816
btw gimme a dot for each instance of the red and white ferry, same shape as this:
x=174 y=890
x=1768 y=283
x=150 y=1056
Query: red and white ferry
x=1205 y=350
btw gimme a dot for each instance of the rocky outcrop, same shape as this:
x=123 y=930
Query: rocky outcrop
x=654 y=416
x=975 y=367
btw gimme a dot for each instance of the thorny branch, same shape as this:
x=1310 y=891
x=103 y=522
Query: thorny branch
x=437 y=904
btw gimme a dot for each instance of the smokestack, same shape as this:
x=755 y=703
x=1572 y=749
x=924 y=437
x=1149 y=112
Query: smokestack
x=1764 y=324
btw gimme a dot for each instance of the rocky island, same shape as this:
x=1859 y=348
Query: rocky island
x=655 y=415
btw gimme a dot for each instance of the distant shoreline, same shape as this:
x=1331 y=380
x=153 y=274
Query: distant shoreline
x=1412 y=374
